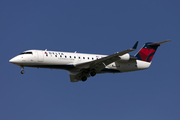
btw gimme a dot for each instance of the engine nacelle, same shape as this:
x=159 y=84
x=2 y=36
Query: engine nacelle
x=125 y=57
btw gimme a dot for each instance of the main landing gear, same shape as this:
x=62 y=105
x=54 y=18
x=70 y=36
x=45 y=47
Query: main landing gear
x=84 y=78
x=22 y=70
x=93 y=73
x=84 y=75
x=85 y=72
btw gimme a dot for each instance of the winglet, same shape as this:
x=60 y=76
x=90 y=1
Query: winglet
x=135 y=46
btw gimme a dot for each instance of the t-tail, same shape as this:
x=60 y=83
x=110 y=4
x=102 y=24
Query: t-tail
x=147 y=52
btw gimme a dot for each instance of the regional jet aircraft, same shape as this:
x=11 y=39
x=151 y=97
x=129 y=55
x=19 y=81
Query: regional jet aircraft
x=81 y=66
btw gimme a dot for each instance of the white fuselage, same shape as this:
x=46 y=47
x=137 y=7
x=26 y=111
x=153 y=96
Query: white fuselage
x=80 y=66
x=68 y=61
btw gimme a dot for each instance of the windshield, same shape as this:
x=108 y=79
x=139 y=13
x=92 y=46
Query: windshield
x=26 y=53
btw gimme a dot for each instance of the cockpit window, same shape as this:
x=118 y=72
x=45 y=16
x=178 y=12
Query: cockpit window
x=26 y=53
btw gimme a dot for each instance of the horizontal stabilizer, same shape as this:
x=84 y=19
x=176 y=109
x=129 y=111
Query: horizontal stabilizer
x=158 y=43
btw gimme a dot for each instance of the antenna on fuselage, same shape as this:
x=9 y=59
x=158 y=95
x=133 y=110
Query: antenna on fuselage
x=75 y=51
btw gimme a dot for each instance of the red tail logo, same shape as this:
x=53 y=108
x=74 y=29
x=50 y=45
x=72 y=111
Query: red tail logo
x=146 y=53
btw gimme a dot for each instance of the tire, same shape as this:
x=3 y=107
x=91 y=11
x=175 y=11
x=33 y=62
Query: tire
x=93 y=73
x=22 y=72
x=84 y=78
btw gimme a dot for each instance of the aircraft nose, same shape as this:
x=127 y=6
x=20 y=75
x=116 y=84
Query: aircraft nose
x=14 y=60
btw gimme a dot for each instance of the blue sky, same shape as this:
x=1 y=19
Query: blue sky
x=102 y=27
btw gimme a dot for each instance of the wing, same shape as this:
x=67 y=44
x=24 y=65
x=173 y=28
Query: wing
x=101 y=63
x=97 y=65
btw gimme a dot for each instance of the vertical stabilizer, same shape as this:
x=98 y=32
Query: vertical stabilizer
x=147 y=52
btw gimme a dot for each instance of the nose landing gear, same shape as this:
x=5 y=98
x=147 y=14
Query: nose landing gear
x=22 y=70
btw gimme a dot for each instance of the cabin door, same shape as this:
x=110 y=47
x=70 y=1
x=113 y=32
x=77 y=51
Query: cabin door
x=40 y=56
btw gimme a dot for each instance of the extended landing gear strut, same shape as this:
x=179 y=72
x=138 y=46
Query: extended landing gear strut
x=22 y=70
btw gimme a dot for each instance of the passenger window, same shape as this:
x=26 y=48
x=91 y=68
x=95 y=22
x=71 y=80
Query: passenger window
x=74 y=56
x=69 y=56
x=83 y=57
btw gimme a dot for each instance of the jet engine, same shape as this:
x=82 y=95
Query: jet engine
x=125 y=57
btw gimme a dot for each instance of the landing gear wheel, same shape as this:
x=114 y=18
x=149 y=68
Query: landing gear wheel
x=22 y=72
x=84 y=78
x=22 y=69
x=93 y=73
